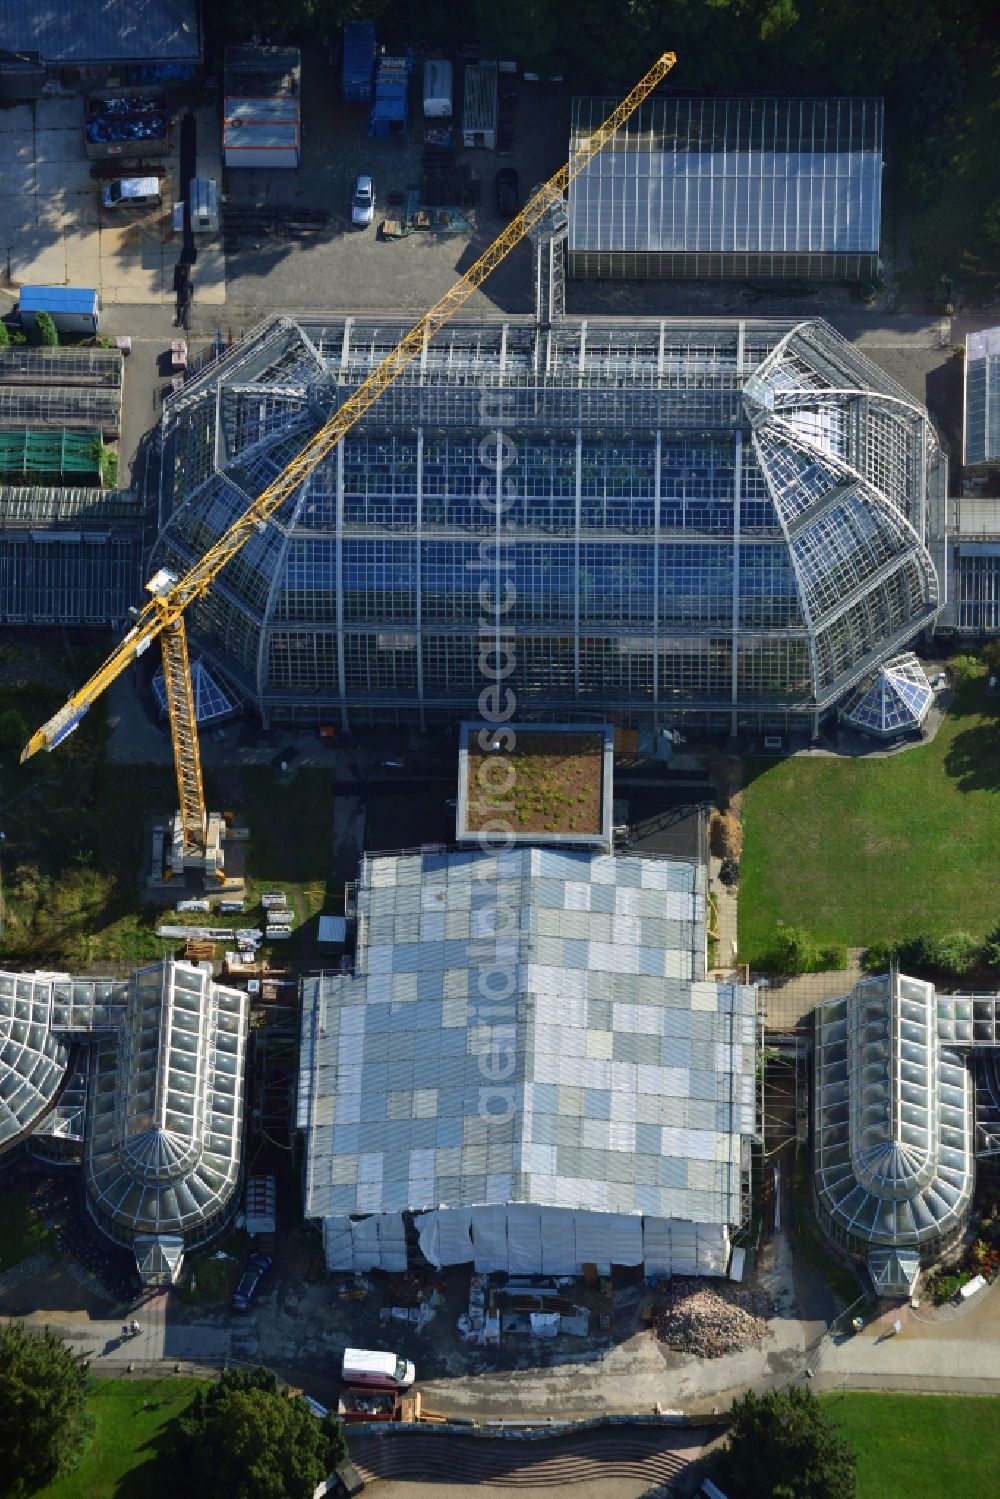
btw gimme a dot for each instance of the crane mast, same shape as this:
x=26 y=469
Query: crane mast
x=163 y=615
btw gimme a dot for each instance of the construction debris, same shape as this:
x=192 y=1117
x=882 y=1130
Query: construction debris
x=694 y=1317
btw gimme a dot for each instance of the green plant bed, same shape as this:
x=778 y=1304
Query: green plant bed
x=22 y=1232
x=921 y=1446
x=867 y=851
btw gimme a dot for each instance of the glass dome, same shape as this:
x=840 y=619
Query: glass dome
x=896 y=700
x=723 y=524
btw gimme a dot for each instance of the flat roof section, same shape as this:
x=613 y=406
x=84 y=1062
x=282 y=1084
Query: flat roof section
x=525 y=783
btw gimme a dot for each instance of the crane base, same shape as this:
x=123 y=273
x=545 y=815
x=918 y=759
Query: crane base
x=211 y=861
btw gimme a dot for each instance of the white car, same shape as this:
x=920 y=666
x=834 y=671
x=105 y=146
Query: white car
x=363 y=203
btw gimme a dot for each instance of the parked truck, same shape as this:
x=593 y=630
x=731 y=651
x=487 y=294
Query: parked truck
x=130 y=122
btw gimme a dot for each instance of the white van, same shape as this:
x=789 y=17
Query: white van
x=131 y=192
x=437 y=89
x=387 y=1371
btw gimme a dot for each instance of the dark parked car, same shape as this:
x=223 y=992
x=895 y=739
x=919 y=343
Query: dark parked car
x=257 y=1267
x=507 y=192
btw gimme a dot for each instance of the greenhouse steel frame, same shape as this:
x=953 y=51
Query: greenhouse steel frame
x=720 y=522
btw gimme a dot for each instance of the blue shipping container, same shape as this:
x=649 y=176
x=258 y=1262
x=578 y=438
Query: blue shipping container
x=73 y=309
x=359 y=60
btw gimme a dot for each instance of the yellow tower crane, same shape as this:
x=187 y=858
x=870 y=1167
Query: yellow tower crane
x=163 y=614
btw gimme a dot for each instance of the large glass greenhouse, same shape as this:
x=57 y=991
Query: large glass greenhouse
x=717 y=524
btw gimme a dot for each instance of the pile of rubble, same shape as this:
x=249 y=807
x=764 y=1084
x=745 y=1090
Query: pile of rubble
x=710 y=1320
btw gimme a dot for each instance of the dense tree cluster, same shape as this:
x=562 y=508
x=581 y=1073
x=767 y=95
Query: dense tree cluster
x=850 y=46
x=44 y=1423
x=245 y=1437
x=783 y=1445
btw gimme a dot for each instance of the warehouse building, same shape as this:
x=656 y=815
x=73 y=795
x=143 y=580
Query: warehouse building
x=528 y=1070
x=907 y=1098
x=142 y=1080
x=723 y=525
x=722 y=188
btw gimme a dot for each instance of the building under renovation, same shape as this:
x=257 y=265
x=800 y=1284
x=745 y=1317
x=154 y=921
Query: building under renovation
x=907 y=1097
x=142 y=1080
x=528 y=1070
x=720 y=524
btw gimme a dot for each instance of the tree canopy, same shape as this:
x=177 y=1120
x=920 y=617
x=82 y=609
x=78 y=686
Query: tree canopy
x=44 y=1424
x=849 y=46
x=245 y=1437
x=783 y=1445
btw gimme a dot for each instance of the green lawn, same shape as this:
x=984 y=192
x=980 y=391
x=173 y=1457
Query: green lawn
x=859 y=851
x=22 y=1232
x=129 y=1416
x=921 y=1446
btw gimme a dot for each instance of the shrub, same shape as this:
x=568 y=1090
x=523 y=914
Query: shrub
x=4 y=335
x=957 y=952
x=833 y=956
x=878 y=957
x=46 y=332
x=991 y=948
x=965 y=669
x=795 y=951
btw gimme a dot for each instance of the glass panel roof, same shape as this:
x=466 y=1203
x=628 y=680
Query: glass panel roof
x=731 y=175
x=895 y=700
x=982 y=396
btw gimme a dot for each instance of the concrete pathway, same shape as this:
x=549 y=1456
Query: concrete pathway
x=110 y=1345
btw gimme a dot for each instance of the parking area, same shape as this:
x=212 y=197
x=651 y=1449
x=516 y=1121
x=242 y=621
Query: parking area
x=53 y=230
x=337 y=266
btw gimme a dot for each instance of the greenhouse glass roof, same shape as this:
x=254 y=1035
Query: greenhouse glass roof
x=893 y=1103
x=689 y=175
x=982 y=397
x=895 y=701
x=162 y=1152
x=630 y=1078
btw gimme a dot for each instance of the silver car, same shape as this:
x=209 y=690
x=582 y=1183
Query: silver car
x=363 y=203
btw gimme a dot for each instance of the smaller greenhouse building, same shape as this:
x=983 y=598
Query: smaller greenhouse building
x=981 y=424
x=142 y=1079
x=722 y=188
x=906 y=1097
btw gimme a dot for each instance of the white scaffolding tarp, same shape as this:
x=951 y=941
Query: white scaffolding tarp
x=521 y=1239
